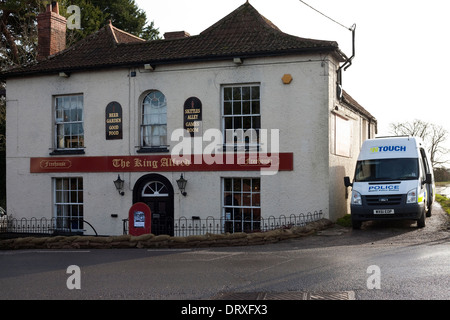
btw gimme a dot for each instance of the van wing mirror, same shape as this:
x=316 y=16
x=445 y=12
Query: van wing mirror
x=428 y=178
x=347 y=182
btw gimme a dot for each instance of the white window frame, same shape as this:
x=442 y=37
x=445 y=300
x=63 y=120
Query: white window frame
x=343 y=136
x=69 y=122
x=243 y=214
x=155 y=188
x=68 y=203
x=152 y=121
x=241 y=116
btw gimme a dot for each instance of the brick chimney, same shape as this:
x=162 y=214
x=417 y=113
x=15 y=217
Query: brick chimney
x=51 y=32
x=176 y=35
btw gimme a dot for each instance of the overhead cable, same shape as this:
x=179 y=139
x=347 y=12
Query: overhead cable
x=351 y=28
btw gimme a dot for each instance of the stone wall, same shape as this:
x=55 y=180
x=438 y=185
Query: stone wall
x=164 y=241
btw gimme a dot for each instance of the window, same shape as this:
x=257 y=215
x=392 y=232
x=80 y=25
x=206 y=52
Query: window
x=69 y=132
x=68 y=197
x=342 y=136
x=387 y=170
x=155 y=189
x=154 y=122
x=241 y=204
x=241 y=116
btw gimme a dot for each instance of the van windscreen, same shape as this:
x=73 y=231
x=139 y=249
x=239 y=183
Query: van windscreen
x=387 y=169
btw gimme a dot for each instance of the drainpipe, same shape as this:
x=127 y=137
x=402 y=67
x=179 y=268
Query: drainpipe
x=347 y=63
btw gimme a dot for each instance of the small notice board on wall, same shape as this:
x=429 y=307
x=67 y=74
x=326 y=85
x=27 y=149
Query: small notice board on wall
x=113 y=121
x=193 y=116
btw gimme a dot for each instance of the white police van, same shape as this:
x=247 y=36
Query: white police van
x=393 y=181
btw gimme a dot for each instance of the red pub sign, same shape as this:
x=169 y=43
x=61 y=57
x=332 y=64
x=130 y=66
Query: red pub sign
x=164 y=163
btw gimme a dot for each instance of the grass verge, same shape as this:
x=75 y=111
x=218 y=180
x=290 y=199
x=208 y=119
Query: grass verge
x=444 y=202
x=345 y=221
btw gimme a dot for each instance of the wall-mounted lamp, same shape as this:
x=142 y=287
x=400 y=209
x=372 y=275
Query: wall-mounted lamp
x=149 y=67
x=237 y=61
x=182 y=185
x=119 y=185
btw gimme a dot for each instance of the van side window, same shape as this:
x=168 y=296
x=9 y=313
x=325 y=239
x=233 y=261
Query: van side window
x=422 y=168
x=425 y=161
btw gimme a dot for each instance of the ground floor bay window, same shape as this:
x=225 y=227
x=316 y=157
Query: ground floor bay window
x=241 y=204
x=68 y=203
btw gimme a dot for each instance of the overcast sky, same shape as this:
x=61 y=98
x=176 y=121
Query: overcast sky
x=401 y=70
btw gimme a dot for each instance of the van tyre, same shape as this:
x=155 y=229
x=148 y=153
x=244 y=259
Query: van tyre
x=356 y=225
x=421 y=221
x=429 y=210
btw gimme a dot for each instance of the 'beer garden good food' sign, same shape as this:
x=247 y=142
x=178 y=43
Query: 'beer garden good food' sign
x=113 y=118
x=193 y=116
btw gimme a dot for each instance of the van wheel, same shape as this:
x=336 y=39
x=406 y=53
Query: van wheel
x=429 y=210
x=421 y=221
x=356 y=225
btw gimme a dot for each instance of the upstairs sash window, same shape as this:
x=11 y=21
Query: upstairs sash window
x=241 y=116
x=69 y=123
x=154 y=121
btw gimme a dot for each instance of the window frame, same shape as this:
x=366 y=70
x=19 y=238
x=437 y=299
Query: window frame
x=60 y=212
x=244 y=216
x=61 y=146
x=342 y=135
x=143 y=146
x=245 y=137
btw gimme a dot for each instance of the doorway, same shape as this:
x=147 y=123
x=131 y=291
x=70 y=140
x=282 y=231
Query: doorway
x=156 y=191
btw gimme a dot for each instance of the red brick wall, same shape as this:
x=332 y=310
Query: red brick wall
x=51 y=32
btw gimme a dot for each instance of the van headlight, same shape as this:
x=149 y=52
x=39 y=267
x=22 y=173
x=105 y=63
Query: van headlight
x=356 y=198
x=411 y=197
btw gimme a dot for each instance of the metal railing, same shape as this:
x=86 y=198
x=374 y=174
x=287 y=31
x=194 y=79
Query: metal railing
x=183 y=226
x=42 y=226
x=180 y=227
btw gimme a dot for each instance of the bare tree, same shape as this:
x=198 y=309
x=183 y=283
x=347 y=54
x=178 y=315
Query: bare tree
x=433 y=135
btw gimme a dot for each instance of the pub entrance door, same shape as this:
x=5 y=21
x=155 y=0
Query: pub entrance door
x=157 y=192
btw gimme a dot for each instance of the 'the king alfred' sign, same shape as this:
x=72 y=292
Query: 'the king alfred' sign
x=163 y=163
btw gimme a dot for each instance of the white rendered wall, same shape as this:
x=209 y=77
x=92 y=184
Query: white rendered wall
x=299 y=110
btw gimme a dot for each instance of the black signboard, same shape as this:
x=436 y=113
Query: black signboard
x=113 y=116
x=193 y=116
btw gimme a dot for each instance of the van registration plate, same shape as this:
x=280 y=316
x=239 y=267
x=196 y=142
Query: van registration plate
x=383 y=211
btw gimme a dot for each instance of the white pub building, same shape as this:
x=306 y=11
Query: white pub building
x=251 y=119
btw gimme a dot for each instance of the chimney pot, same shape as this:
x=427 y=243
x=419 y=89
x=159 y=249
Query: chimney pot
x=55 y=7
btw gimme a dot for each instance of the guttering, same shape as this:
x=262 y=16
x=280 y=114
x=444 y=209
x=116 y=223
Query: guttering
x=345 y=66
x=348 y=63
x=178 y=60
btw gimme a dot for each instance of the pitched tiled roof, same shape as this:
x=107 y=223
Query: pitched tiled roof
x=352 y=103
x=243 y=33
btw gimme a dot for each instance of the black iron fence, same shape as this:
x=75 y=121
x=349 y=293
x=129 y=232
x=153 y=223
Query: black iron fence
x=42 y=226
x=183 y=226
x=180 y=227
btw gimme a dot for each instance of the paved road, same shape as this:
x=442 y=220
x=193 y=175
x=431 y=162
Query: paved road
x=381 y=261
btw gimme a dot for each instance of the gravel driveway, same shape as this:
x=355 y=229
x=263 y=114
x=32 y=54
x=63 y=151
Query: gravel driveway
x=437 y=230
